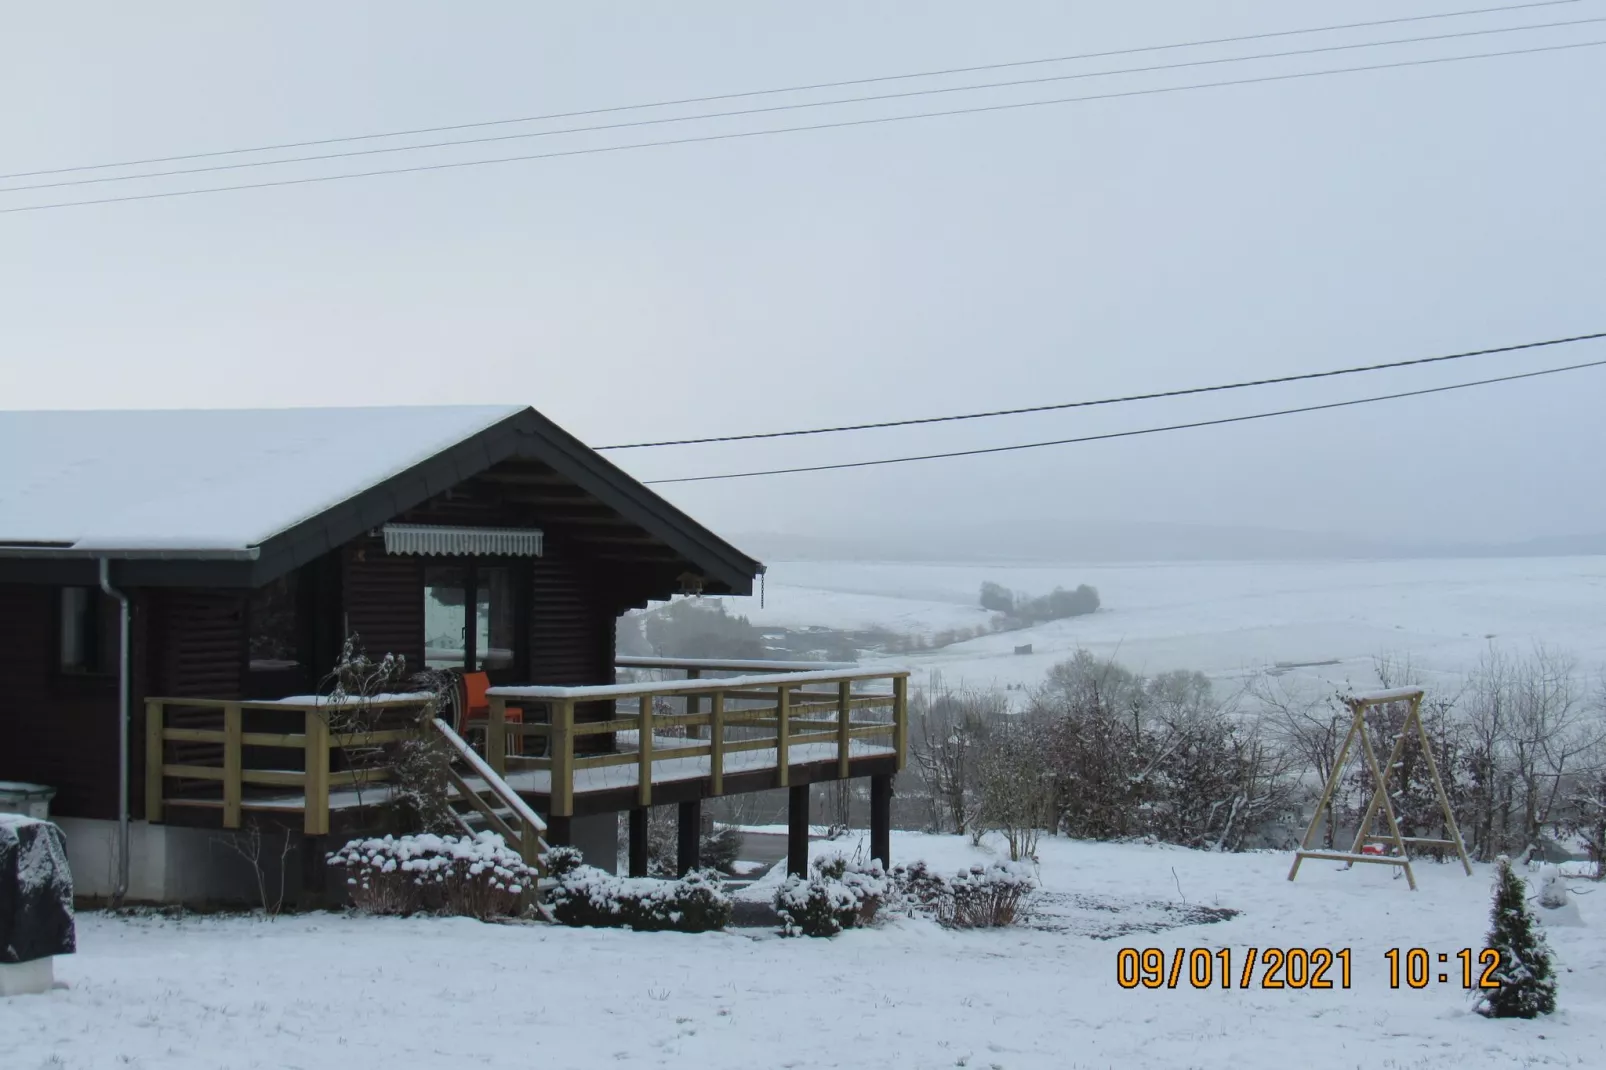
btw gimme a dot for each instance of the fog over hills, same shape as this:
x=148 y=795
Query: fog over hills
x=1134 y=541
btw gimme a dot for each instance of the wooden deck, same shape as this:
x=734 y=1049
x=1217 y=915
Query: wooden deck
x=668 y=741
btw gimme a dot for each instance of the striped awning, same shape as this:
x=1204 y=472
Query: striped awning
x=462 y=542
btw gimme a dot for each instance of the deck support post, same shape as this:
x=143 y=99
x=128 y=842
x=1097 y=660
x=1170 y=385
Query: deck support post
x=797 y=830
x=314 y=870
x=881 y=819
x=688 y=846
x=558 y=832
x=638 y=841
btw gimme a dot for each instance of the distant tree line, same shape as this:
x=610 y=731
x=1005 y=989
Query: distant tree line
x=1101 y=752
x=691 y=628
x=1055 y=605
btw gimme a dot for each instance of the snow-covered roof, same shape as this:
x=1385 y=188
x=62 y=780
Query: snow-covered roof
x=206 y=479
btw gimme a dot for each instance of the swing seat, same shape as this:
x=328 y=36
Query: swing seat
x=1372 y=849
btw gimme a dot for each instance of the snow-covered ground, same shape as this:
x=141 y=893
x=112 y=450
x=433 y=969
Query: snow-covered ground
x=330 y=991
x=1229 y=619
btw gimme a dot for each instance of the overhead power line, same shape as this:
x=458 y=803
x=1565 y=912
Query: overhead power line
x=836 y=125
x=1184 y=392
x=1129 y=434
x=711 y=98
x=797 y=106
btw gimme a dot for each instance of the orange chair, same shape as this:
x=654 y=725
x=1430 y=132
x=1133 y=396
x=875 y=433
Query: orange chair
x=477 y=708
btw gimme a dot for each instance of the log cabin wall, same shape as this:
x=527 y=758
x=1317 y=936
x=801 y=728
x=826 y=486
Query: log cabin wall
x=383 y=598
x=569 y=613
x=58 y=729
x=568 y=610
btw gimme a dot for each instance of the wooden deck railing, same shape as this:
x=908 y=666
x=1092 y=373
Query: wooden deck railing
x=774 y=710
x=284 y=756
x=211 y=738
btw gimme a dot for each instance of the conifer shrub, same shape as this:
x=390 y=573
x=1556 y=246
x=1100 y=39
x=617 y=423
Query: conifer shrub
x=720 y=848
x=1526 y=974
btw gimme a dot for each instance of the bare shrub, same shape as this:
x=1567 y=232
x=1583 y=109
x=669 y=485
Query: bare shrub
x=986 y=897
x=981 y=897
x=948 y=727
x=1156 y=756
x=253 y=848
x=1015 y=784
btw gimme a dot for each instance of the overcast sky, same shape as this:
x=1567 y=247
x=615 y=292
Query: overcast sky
x=938 y=265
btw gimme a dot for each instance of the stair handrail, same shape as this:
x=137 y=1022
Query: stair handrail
x=501 y=788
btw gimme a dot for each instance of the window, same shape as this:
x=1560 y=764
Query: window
x=83 y=643
x=445 y=637
x=448 y=643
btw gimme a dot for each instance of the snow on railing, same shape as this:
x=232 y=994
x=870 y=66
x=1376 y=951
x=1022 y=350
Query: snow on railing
x=694 y=665
x=592 y=692
x=761 y=721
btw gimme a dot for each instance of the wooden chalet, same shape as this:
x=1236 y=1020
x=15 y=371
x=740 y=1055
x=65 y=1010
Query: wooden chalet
x=175 y=588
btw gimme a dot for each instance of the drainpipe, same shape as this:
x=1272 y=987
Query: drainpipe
x=124 y=686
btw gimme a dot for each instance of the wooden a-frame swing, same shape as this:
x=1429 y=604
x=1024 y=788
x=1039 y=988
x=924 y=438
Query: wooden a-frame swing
x=1358 y=705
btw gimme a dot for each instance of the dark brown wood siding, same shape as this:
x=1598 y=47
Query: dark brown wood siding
x=571 y=633
x=384 y=600
x=198 y=646
x=56 y=729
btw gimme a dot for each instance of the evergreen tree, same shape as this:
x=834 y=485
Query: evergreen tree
x=1527 y=985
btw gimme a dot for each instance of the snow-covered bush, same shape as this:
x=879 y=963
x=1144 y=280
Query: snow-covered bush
x=1527 y=982
x=836 y=895
x=472 y=876
x=585 y=895
x=562 y=860
x=985 y=897
x=916 y=889
x=981 y=897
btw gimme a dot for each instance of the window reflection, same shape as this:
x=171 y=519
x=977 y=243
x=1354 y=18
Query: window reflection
x=446 y=637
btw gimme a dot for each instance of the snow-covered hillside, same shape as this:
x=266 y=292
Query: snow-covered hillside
x=329 y=991
x=1227 y=619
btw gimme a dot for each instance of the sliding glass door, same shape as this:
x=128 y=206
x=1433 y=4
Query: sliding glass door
x=454 y=638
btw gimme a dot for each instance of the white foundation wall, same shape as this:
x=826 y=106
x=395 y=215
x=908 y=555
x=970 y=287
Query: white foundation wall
x=171 y=863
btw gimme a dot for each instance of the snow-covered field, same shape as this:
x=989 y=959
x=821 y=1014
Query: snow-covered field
x=329 y=991
x=1228 y=619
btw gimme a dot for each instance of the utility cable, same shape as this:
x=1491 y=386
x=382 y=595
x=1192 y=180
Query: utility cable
x=1129 y=434
x=1184 y=392
x=786 y=89
x=836 y=125
x=800 y=106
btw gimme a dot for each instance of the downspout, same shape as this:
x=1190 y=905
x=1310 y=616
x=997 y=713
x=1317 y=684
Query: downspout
x=124 y=686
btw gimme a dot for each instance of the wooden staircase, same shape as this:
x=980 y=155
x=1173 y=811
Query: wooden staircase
x=482 y=800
